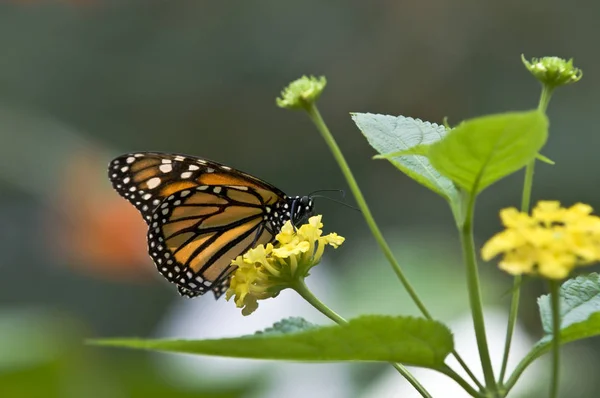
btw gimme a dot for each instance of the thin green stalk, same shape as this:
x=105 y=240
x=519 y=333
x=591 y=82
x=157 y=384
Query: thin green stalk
x=520 y=368
x=316 y=118
x=468 y=248
x=303 y=290
x=525 y=206
x=555 y=300
x=466 y=386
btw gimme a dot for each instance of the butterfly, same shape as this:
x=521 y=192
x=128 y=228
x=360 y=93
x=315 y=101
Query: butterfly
x=202 y=214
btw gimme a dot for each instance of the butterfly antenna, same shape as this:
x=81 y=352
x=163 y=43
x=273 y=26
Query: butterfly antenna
x=340 y=191
x=337 y=201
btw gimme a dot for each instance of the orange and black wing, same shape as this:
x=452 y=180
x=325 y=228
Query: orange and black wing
x=201 y=214
x=145 y=179
x=195 y=233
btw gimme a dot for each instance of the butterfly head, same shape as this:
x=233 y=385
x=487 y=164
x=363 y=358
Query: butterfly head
x=301 y=209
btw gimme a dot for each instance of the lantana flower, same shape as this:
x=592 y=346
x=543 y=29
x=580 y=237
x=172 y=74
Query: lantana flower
x=264 y=271
x=550 y=242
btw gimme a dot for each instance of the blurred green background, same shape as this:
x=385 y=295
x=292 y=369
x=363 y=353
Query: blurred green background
x=82 y=81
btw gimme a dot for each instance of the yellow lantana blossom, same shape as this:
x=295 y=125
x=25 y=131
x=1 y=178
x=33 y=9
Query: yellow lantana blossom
x=550 y=242
x=264 y=271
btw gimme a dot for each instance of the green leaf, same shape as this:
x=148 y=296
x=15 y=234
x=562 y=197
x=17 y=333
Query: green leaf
x=545 y=159
x=579 y=308
x=416 y=150
x=413 y=341
x=398 y=135
x=480 y=151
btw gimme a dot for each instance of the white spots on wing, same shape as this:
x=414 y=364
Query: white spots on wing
x=200 y=161
x=192 y=285
x=130 y=160
x=176 y=268
x=155 y=202
x=166 y=161
x=186 y=174
x=226 y=167
x=189 y=275
x=200 y=279
x=209 y=170
x=165 y=212
x=240 y=187
x=124 y=169
x=153 y=182
x=217 y=189
x=146 y=196
x=114 y=175
x=202 y=188
x=125 y=180
x=165 y=168
x=177 y=203
x=207 y=283
x=139 y=155
x=132 y=189
x=193 y=167
x=185 y=193
x=154 y=224
x=179 y=158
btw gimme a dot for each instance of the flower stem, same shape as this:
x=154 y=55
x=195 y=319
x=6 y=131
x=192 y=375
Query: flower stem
x=525 y=205
x=555 y=300
x=468 y=248
x=300 y=287
x=316 y=118
x=459 y=380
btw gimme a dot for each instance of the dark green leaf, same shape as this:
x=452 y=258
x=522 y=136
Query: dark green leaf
x=413 y=341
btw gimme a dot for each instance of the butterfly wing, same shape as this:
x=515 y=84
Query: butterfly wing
x=201 y=215
x=146 y=179
x=195 y=233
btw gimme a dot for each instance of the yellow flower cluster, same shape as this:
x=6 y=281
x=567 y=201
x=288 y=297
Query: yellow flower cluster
x=264 y=271
x=550 y=242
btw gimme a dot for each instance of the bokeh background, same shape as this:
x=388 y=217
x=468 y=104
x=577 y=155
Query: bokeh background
x=82 y=81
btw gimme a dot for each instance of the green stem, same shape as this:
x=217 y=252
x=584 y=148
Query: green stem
x=468 y=248
x=466 y=386
x=545 y=96
x=555 y=300
x=316 y=118
x=520 y=368
x=303 y=290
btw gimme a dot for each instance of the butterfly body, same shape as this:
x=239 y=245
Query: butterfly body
x=201 y=214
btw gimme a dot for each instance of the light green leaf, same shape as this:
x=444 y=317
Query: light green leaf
x=412 y=341
x=399 y=135
x=480 y=151
x=416 y=150
x=545 y=159
x=579 y=308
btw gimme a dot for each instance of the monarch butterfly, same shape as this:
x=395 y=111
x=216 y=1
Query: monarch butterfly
x=201 y=215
